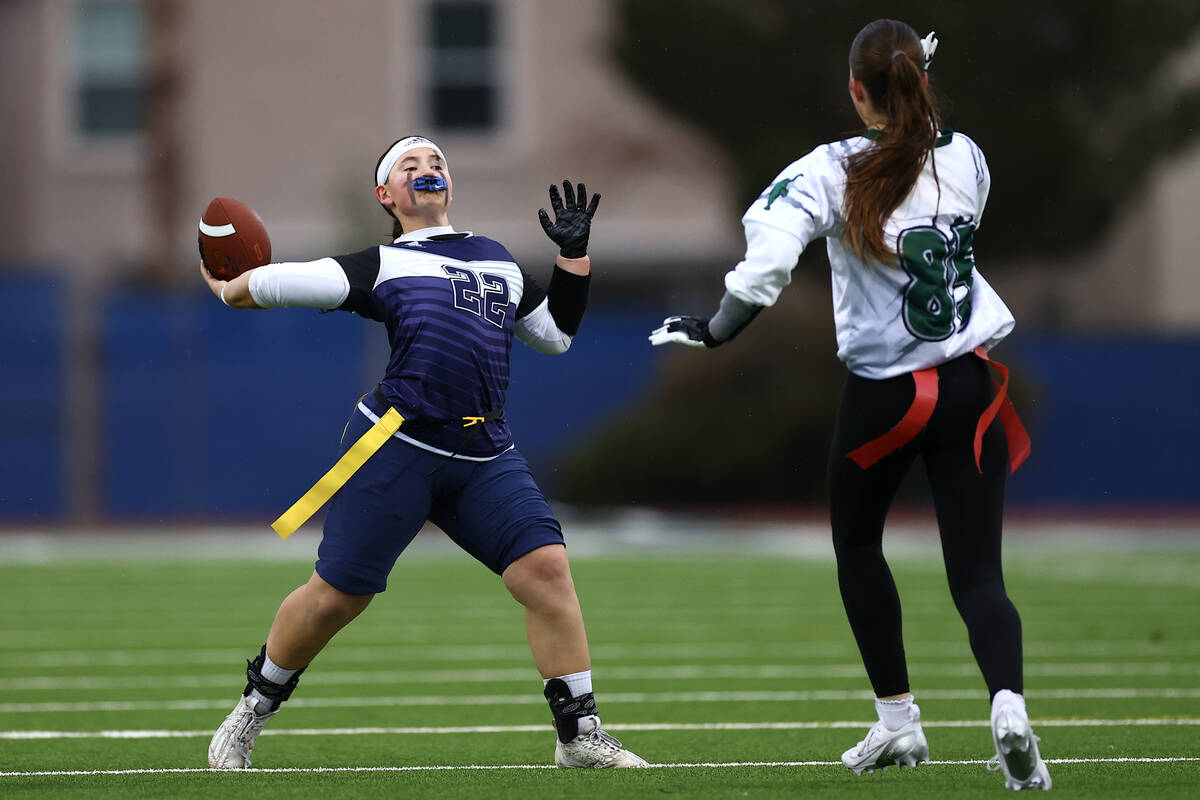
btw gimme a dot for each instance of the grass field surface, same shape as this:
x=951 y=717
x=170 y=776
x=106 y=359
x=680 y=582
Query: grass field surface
x=726 y=662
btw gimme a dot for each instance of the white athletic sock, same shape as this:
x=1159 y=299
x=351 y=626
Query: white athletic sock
x=579 y=683
x=275 y=674
x=894 y=714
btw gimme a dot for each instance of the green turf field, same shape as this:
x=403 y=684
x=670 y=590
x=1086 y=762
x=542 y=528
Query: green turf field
x=732 y=668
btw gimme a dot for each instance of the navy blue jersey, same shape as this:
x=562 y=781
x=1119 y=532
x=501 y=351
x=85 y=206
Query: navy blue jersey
x=449 y=303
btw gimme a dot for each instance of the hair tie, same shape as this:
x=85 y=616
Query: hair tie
x=929 y=47
x=898 y=54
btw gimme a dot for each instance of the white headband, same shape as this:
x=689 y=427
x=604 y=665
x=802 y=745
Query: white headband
x=397 y=152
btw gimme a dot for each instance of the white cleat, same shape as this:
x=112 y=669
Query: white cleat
x=234 y=740
x=594 y=749
x=882 y=748
x=1017 y=749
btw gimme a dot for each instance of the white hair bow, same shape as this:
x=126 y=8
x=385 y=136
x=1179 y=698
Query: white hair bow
x=929 y=47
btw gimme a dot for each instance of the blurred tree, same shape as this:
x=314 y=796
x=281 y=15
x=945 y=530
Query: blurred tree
x=746 y=423
x=1073 y=101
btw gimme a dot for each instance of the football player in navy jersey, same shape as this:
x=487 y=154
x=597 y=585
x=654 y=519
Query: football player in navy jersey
x=430 y=442
x=898 y=207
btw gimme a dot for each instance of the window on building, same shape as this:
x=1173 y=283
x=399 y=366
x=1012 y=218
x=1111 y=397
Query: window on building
x=111 y=86
x=464 y=93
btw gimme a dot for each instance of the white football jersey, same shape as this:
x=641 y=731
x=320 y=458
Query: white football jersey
x=931 y=306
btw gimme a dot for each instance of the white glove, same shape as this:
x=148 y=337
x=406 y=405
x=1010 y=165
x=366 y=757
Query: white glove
x=691 y=331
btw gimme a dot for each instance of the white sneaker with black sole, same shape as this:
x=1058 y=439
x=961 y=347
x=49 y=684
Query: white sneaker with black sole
x=593 y=748
x=882 y=748
x=233 y=742
x=1016 y=748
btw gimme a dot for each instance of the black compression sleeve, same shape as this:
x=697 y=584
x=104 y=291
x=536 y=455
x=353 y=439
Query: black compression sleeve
x=532 y=295
x=568 y=299
x=362 y=270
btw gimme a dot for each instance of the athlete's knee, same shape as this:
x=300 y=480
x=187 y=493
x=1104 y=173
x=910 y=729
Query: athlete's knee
x=540 y=576
x=331 y=604
x=857 y=534
x=849 y=551
x=980 y=598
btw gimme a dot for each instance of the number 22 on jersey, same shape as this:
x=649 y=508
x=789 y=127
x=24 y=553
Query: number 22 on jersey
x=484 y=295
x=937 y=299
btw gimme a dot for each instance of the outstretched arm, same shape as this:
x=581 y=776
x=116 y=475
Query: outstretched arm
x=731 y=317
x=751 y=286
x=234 y=293
x=317 y=284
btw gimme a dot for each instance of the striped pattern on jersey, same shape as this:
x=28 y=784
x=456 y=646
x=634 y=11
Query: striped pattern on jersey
x=449 y=305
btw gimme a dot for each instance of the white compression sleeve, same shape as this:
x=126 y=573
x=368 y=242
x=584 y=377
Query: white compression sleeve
x=318 y=284
x=538 y=330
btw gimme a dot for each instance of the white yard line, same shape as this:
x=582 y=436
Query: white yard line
x=476 y=767
x=637 y=726
x=646 y=672
x=531 y=698
x=135 y=657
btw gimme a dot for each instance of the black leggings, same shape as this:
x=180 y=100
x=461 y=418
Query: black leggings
x=969 y=506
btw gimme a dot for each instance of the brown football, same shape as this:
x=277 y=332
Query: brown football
x=232 y=238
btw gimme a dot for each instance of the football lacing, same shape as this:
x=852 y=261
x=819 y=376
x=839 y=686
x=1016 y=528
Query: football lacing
x=599 y=739
x=247 y=731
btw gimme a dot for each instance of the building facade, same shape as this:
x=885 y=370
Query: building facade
x=131 y=114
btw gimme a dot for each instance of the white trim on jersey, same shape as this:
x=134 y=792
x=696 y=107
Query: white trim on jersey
x=425 y=233
x=405 y=258
x=371 y=415
x=412 y=263
x=538 y=330
x=316 y=284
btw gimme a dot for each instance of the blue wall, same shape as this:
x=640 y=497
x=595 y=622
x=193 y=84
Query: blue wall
x=1114 y=421
x=554 y=401
x=210 y=412
x=31 y=396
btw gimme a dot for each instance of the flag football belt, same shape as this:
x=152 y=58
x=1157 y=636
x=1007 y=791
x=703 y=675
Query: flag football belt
x=358 y=453
x=472 y=424
x=918 y=414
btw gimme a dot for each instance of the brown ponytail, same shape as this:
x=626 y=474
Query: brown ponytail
x=886 y=56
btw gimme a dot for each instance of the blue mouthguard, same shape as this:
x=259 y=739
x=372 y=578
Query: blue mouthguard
x=429 y=183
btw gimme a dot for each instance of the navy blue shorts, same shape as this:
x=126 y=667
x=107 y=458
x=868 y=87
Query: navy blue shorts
x=492 y=509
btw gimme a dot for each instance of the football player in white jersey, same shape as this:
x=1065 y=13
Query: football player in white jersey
x=898 y=207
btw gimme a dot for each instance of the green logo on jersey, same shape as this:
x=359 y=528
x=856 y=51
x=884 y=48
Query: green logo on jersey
x=779 y=190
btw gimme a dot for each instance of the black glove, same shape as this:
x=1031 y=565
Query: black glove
x=691 y=331
x=572 y=223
